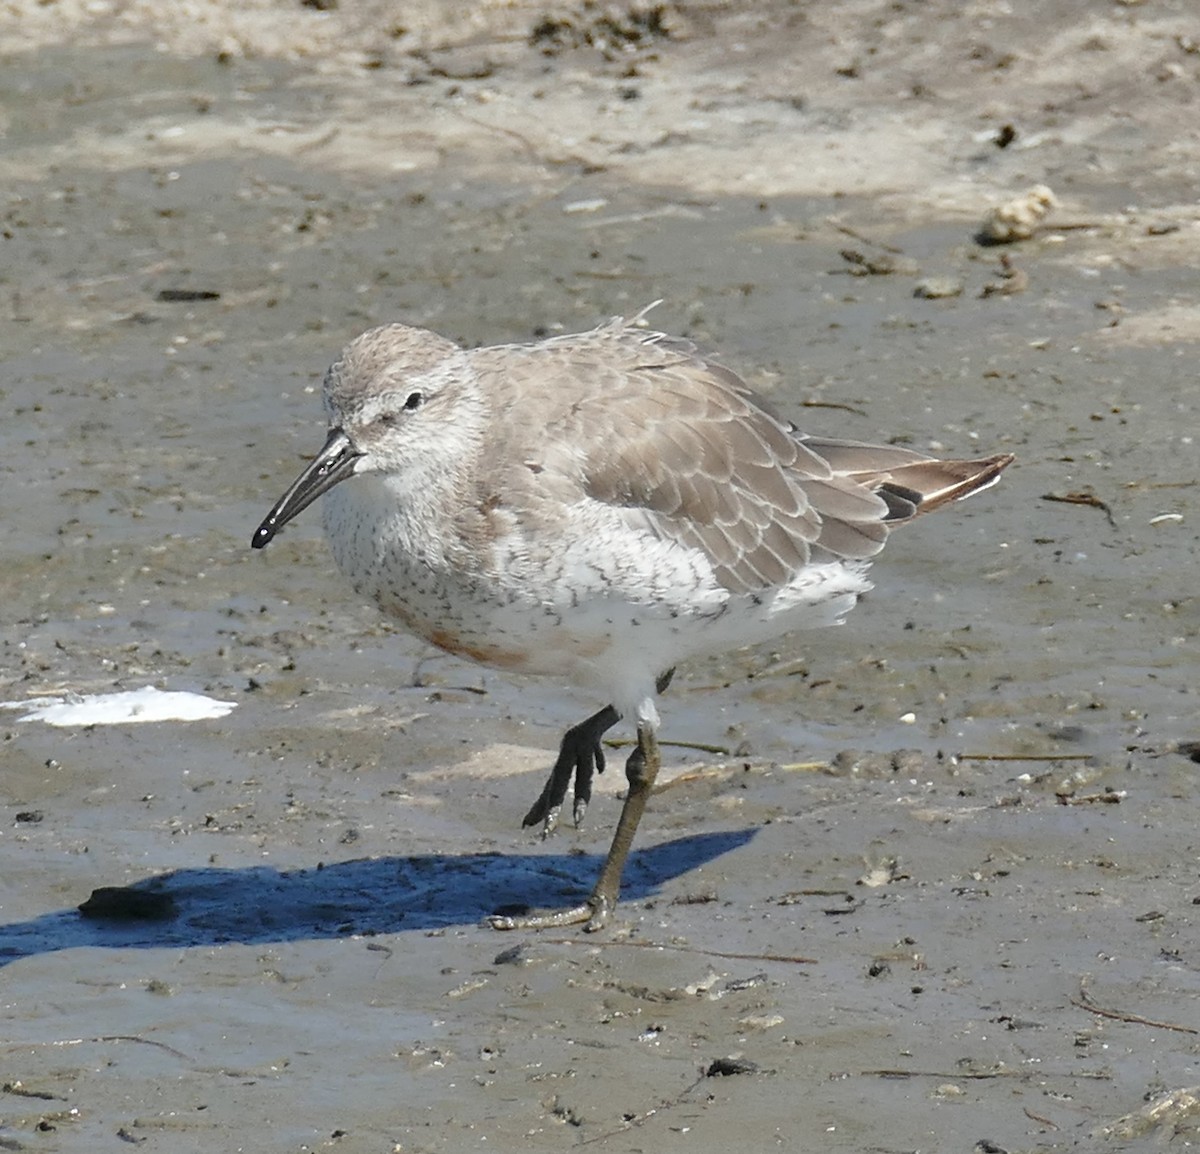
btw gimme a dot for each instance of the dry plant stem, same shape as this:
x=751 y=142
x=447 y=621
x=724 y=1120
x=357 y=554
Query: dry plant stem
x=1084 y=1002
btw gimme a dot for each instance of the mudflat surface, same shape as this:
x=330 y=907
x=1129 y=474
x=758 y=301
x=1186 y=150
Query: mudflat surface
x=889 y=931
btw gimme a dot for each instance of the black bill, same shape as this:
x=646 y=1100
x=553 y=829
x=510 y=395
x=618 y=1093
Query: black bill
x=334 y=463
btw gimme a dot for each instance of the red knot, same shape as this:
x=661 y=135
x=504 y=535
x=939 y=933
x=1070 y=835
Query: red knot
x=596 y=507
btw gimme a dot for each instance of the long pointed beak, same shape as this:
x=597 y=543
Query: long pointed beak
x=334 y=463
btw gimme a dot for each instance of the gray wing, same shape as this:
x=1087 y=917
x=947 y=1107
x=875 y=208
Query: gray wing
x=642 y=423
x=691 y=452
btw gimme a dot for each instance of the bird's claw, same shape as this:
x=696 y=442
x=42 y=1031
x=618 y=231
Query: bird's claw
x=580 y=758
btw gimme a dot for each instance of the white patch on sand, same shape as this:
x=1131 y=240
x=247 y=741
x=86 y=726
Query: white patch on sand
x=148 y=704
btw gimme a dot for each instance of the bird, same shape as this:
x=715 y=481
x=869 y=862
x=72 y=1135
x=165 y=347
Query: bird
x=596 y=507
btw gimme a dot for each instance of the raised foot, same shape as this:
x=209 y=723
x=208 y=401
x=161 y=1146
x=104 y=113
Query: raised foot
x=594 y=912
x=580 y=758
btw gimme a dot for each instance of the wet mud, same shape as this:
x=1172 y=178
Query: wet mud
x=922 y=881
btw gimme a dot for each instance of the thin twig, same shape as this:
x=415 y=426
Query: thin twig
x=1039 y=1119
x=1085 y=1003
x=1082 y=498
x=699 y=746
x=688 y=776
x=144 y=1041
x=22 y=1091
x=888 y=1072
x=1161 y=484
x=101 y=1038
x=790 y=959
x=646 y=1115
x=1099 y=1075
x=833 y=405
x=853 y=232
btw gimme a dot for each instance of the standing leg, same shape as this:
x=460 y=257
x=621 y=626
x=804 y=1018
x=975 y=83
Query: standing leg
x=641 y=770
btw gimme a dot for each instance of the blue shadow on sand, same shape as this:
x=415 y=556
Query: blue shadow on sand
x=206 y=907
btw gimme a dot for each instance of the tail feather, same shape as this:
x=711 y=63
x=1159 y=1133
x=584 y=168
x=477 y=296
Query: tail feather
x=910 y=483
x=936 y=483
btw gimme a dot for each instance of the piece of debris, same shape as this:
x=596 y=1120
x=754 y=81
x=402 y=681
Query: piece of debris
x=608 y=30
x=761 y=1022
x=727 y=1067
x=934 y=288
x=178 y=296
x=876 y=264
x=881 y=873
x=518 y=955
x=1018 y=219
x=1012 y=279
x=1161 y=1115
x=735 y=985
x=118 y=904
x=1082 y=498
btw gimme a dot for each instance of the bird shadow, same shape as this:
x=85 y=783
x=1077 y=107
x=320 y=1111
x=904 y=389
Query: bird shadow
x=367 y=896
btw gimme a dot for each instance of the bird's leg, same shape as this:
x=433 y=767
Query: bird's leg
x=581 y=755
x=641 y=770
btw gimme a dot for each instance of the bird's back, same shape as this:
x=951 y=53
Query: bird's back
x=637 y=426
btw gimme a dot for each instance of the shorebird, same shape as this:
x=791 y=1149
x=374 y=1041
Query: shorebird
x=596 y=507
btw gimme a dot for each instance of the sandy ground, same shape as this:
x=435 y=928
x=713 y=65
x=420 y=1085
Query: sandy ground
x=934 y=888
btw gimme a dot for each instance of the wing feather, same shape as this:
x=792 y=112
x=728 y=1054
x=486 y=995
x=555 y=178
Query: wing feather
x=687 y=448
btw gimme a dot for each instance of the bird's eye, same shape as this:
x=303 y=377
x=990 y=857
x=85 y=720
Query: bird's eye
x=413 y=402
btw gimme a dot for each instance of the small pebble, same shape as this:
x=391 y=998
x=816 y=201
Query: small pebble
x=934 y=288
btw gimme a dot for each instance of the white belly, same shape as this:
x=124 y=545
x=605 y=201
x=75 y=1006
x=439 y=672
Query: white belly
x=601 y=608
